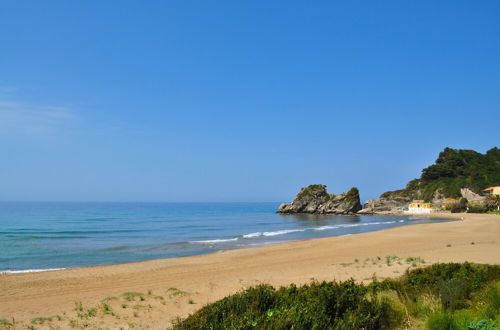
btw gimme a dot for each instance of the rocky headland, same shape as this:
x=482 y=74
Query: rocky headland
x=457 y=174
x=456 y=178
x=315 y=199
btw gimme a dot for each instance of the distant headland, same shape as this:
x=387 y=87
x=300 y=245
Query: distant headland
x=460 y=180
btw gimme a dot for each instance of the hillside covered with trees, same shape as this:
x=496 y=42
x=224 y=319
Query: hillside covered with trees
x=454 y=169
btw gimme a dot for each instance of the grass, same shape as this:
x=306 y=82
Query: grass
x=174 y=292
x=440 y=296
x=108 y=299
x=4 y=323
x=388 y=260
x=41 y=320
x=84 y=313
x=105 y=308
x=130 y=296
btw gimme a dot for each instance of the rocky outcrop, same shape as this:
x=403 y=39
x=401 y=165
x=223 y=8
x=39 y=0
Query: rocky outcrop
x=471 y=196
x=315 y=199
x=385 y=205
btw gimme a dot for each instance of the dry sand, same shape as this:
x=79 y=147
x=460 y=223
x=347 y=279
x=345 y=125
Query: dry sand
x=179 y=286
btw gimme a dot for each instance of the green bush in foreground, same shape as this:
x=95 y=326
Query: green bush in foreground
x=324 y=305
x=441 y=296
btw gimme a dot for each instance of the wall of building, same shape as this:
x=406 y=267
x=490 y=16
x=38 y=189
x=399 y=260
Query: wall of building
x=418 y=210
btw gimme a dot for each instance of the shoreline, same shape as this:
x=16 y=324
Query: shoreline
x=438 y=216
x=205 y=278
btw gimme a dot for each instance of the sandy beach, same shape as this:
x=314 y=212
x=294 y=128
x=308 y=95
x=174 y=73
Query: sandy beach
x=175 y=287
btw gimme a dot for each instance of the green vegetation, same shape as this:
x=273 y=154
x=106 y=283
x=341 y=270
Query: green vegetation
x=441 y=296
x=312 y=190
x=352 y=195
x=5 y=324
x=105 y=308
x=174 y=292
x=454 y=169
x=130 y=296
x=459 y=206
x=41 y=320
x=318 y=306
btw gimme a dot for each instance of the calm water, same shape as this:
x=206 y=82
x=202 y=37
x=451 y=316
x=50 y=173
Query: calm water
x=37 y=236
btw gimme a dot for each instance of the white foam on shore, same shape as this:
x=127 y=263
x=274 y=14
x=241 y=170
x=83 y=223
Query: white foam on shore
x=272 y=233
x=28 y=271
x=325 y=228
x=288 y=231
x=252 y=235
x=281 y=232
x=213 y=241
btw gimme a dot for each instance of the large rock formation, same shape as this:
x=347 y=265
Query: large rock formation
x=315 y=199
x=385 y=205
x=471 y=196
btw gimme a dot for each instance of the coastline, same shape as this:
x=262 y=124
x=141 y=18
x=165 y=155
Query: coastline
x=206 y=278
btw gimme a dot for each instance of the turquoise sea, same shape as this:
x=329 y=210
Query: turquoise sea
x=40 y=236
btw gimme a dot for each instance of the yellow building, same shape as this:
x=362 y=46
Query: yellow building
x=418 y=206
x=492 y=191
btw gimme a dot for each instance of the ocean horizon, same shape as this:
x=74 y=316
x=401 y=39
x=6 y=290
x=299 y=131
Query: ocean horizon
x=38 y=236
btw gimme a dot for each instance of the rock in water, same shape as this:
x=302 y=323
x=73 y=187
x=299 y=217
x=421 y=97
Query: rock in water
x=315 y=199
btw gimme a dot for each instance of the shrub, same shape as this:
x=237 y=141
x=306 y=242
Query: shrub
x=482 y=325
x=460 y=206
x=326 y=305
x=434 y=295
x=477 y=209
x=442 y=321
x=452 y=282
x=453 y=293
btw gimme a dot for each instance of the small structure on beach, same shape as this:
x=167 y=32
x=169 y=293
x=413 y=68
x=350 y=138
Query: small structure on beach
x=491 y=191
x=419 y=207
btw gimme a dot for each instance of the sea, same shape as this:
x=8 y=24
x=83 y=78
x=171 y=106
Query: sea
x=47 y=236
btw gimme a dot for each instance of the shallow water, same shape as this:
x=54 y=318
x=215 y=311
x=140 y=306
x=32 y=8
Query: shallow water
x=37 y=236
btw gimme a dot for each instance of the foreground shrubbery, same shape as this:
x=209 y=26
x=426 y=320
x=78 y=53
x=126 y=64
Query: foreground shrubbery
x=441 y=296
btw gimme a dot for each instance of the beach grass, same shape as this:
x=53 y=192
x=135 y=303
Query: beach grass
x=174 y=292
x=130 y=296
x=440 y=296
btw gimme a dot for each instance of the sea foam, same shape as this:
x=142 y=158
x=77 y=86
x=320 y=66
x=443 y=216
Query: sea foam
x=213 y=241
x=28 y=271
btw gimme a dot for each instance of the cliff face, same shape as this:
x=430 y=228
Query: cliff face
x=381 y=205
x=315 y=199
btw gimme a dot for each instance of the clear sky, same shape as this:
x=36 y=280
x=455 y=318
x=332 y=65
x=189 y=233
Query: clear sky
x=239 y=100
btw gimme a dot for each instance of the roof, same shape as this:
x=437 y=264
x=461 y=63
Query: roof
x=490 y=188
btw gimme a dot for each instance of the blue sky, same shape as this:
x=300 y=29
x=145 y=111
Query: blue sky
x=239 y=100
